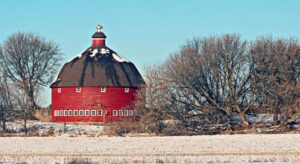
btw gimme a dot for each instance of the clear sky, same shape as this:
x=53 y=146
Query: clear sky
x=146 y=31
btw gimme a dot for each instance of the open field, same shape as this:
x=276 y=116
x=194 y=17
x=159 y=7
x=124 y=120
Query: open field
x=275 y=148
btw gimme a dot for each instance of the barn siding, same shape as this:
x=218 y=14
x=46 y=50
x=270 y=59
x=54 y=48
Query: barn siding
x=89 y=98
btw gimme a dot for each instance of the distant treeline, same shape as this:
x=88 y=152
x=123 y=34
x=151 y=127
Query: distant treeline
x=212 y=80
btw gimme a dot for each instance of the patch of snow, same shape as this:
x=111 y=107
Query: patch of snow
x=95 y=51
x=119 y=58
x=269 y=148
x=104 y=51
x=58 y=127
x=195 y=112
x=260 y=118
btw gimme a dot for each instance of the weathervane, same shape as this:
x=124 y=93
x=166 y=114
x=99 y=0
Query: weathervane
x=99 y=27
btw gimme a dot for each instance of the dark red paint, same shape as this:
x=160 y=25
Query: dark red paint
x=92 y=98
x=98 y=42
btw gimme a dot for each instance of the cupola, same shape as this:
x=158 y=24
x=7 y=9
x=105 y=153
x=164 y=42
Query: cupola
x=99 y=37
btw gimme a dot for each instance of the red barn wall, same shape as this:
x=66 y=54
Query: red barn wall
x=89 y=98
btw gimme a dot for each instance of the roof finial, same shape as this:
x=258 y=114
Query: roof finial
x=99 y=27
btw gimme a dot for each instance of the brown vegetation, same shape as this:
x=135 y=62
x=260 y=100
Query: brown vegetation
x=209 y=81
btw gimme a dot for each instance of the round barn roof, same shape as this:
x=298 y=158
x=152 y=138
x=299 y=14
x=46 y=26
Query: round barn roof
x=98 y=66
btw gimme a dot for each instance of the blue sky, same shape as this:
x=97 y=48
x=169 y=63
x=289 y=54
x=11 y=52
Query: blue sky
x=146 y=31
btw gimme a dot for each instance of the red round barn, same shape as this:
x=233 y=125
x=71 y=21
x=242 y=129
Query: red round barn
x=98 y=85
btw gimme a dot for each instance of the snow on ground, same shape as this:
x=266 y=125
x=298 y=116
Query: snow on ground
x=250 y=148
x=69 y=129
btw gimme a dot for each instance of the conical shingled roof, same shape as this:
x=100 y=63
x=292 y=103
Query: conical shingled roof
x=98 y=66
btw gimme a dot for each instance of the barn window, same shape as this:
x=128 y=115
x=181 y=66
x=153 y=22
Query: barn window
x=115 y=113
x=81 y=112
x=99 y=112
x=75 y=112
x=56 y=113
x=78 y=89
x=125 y=112
x=130 y=112
x=70 y=112
x=61 y=113
x=126 y=90
x=93 y=113
x=87 y=112
x=65 y=113
x=120 y=112
x=103 y=89
x=58 y=90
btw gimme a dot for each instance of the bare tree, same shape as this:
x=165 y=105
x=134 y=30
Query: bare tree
x=6 y=99
x=6 y=103
x=29 y=62
x=152 y=100
x=276 y=73
x=211 y=73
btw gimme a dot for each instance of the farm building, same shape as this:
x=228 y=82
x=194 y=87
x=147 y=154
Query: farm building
x=97 y=85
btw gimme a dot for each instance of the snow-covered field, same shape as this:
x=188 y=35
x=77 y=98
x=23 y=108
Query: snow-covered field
x=42 y=128
x=250 y=148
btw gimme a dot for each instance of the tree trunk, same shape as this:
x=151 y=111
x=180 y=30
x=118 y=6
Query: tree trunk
x=3 y=125
x=243 y=116
x=276 y=119
x=32 y=101
x=244 y=119
x=25 y=122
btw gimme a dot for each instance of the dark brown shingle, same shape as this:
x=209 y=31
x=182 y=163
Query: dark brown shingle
x=98 y=69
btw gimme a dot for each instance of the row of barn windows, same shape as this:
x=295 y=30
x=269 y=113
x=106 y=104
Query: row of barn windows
x=103 y=89
x=91 y=113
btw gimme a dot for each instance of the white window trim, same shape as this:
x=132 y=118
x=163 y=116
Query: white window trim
x=78 y=89
x=125 y=112
x=70 y=111
x=95 y=113
x=115 y=113
x=75 y=113
x=130 y=112
x=98 y=112
x=65 y=112
x=103 y=89
x=89 y=112
x=58 y=90
x=61 y=113
x=81 y=111
x=56 y=113
x=121 y=112
x=126 y=90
